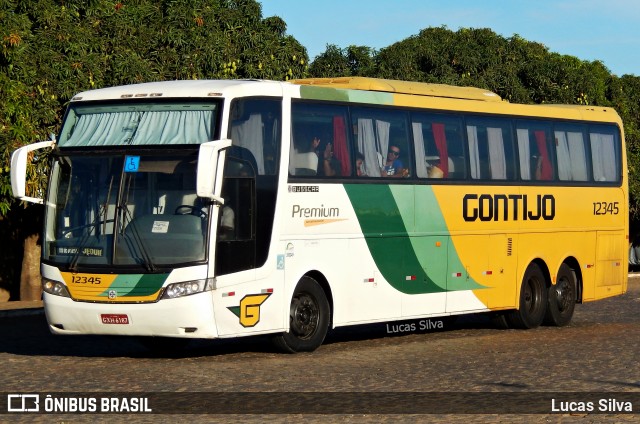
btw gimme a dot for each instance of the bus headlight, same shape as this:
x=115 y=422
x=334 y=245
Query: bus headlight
x=55 y=288
x=187 y=288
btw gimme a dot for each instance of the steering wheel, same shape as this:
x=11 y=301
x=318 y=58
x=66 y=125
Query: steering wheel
x=190 y=210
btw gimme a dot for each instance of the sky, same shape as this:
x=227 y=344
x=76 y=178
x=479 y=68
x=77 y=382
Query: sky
x=604 y=30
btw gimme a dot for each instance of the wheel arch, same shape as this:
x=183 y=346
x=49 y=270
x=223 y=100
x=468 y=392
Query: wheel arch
x=573 y=263
x=324 y=284
x=544 y=268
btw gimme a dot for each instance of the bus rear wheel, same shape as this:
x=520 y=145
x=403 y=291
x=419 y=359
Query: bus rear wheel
x=308 y=318
x=562 y=298
x=533 y=300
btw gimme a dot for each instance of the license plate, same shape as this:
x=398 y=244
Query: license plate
x=114 y=318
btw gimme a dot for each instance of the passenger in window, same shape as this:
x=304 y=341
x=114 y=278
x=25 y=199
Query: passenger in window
x=330 y=166
x=315 y=143
x=435 y=172
x=393 y=166
x=537 y=167
x=360 y=171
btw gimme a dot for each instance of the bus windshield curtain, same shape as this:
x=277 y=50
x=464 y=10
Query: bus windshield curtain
x=604 y=157
x=248 y=134
x=340 y=145
x=140 y=128
x=441 y=144
x=546 y=173
x=572 y=161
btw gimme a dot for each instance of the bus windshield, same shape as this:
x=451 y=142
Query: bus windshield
x=125 y=209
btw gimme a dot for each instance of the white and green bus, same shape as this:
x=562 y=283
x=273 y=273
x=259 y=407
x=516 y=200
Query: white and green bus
x=220 y=209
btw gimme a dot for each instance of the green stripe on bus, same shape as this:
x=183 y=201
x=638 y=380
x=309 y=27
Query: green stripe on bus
x=148 y=284
x=136 y=284
x=386 y=215
x=355 y=96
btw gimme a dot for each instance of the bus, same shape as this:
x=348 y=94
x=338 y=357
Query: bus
x=220 y=209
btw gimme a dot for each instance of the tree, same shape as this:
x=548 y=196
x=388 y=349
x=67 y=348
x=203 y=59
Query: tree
x=337 y=62
x=52 y=49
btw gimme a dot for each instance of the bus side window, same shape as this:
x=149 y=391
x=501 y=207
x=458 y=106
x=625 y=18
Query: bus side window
x=381 y=138
x=534 y=151
x=605 y=153
x=255 y=126
x=490 y=149
x=438 y=146
x=319 y=144
x=571 y=153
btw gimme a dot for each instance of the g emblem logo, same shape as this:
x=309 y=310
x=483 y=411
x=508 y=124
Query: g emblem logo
x=113 y=294
x=249 y=309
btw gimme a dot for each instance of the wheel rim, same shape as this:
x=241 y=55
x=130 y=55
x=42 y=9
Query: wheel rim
x=563 y=293
x=532 y=295
x=305 y=316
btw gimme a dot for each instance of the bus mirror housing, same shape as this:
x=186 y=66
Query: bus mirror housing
x=19 y=159
x=210 y=169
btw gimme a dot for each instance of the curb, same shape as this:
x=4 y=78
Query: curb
x=14 y=313
x=21 y=309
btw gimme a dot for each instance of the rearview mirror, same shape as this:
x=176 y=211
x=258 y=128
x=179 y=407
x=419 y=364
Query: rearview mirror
x=210 y=169
x=19 y=160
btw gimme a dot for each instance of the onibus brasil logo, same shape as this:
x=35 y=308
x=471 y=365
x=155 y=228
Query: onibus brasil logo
x=249 y=309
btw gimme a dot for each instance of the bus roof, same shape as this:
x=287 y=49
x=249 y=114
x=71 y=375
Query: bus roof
x=403 y=87
x=481 y=100
x=183 y=88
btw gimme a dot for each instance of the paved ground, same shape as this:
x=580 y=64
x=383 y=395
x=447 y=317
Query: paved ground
x=597 y=353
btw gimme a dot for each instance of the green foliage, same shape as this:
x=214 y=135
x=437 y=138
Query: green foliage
x=51 y=50
x=337 y=62
x=518 y=70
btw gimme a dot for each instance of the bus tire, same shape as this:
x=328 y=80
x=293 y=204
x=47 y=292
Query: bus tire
x=533 y=300
x=562 y=298
x=308 y=318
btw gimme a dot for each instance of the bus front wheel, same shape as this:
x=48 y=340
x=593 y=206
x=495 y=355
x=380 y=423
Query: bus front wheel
x=308 y=318
x=562 y=298
x=533 y=300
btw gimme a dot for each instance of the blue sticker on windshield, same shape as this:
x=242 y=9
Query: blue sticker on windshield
x=131 y=163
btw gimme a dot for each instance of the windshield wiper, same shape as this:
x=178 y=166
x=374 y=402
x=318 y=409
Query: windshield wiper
x=73 y=265
x=144 y=253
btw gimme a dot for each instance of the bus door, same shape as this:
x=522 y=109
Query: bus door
x=235 y=248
